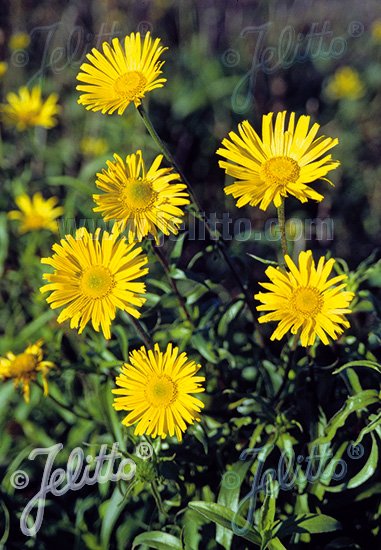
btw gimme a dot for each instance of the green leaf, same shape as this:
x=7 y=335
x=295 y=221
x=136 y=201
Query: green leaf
x=352 y=404
x=363 y=363
x=113 y=508
x=158 y=540
x=275 y=544
x=191 y=535
x=307 y=523
x=226 y=518
x=375 y=422
x=178 y=247
x=368 y=469
x=267 y=511
x=230 y=314
x=229 y=497
x=204 y=347
x=263 y=260
x=3 y=241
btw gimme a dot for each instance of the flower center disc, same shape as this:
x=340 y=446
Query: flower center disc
x=280 y=171
x=23 y=363
x=35 y=221
x=307 y=301
x=161 y=391
x=138 y=194
x=129 y=85
x=96 y=281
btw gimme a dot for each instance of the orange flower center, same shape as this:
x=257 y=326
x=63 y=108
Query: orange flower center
x=130 y=85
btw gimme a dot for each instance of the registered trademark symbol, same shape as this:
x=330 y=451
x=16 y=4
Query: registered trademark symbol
x=355 y=451
x=355 y=29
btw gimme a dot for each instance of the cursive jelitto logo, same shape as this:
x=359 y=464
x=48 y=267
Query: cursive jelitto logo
x=99 y=469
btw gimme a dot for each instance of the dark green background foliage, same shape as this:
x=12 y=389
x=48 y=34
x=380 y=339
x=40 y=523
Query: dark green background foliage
x=259 y=393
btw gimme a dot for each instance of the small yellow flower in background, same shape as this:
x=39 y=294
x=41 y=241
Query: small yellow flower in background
x=3 y=68
x=36 y=213
x=93 y=276
x=304 y=299
x=19 y=41
x=345 y=84
x=93 y=147
x=140 y=200
x=121 y=75
x=282 y=163
x=23 y=368
x=27 y=109
x=156 y=388
x=376 y=31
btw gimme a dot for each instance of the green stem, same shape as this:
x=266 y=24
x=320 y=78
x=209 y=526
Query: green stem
x=282 y=228
x=141 y=332
x=157 y=497
x=165 y=265
x=212 y=233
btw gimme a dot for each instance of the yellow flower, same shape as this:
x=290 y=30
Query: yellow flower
x=23 y=368
x=27 y=109
x=156 y=388
x=36 y=213
x=141 y=201
x=302 y=299
x=282 y=163
x=376 y=31
x=3 y=68
x=93 y=147
x=19 y=41
x=121 y=75
x=94 y=276
x=345 y=84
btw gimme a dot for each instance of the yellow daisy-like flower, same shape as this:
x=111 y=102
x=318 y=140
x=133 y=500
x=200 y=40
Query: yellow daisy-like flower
x=282 y=163
x=93 y=146
x=345 y=84
x=156 y=387
x=121 y=75
x=36 y=213
x=23 y=368
x=94 y=276
x=27 y=109
x=376 y=31
x=3 y=68
x=303 y=299
x=19 y=41
x=141 y=201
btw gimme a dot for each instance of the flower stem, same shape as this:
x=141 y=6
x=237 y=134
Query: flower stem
x=67 y=408
x=141 y=332
x=282 y=227
x=212 y=233
x=165 y=265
